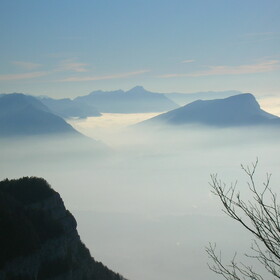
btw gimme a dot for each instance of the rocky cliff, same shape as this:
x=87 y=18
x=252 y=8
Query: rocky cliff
x=38 y=236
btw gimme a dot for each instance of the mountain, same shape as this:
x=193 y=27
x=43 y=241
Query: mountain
x=185 y=98
x=136 y=100
x=25 y=115
x=237 y=110
x=28 y=127
x=39 y=238
x=68 y=108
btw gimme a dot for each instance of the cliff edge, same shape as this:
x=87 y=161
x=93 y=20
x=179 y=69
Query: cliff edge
x=38 y=236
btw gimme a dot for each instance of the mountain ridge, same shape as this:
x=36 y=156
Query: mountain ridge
x=237 y=110
x=68 y=108
x=185 y=98
x=26 y=124
x=135 y=100
x=21 y=115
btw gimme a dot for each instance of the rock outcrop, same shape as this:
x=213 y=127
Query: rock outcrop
x=38 y=236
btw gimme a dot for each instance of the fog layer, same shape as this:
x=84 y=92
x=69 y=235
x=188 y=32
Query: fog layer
x=145 y=208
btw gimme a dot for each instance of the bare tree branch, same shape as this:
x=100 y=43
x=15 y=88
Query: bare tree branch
x=260 y=217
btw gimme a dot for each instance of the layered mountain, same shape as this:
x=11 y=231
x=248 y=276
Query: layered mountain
x=27 y=126
x=25 y=115
x=185 y=98
x=237 y=110
x=68 y=108
x=136 y=100
x=39 y=238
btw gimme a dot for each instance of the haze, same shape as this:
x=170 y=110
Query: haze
x=145 y=209
x=142 y=199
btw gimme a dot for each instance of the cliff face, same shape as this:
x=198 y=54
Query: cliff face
x=38 y=236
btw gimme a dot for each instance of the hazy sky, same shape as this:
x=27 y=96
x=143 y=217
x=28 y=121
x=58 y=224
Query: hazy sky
x=69 y=48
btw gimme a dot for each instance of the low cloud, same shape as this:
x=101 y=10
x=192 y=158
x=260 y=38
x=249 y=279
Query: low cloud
x=188 y=61
x=263 y=67
x=105 y=77
x=71 y=65
x=27 y=65
x=22 y=76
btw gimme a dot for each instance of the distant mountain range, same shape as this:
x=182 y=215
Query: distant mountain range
x=136 y=100
x=25 y=115
x=68 y=108
x=237 y=110
x=29 y=125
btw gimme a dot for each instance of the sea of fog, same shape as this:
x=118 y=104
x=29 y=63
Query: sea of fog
x=145 y=208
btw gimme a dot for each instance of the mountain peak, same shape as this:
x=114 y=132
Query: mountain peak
x=19 y=101
x=237 y=110
x=25 y=115
x=135 y=100
x=247 y=96
x=137 y=89
x=245 y=101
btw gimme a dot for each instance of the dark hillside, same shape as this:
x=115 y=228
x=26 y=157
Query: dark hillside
x=38 y=236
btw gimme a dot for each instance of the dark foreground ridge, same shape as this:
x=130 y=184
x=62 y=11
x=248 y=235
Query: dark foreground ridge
x=38 y=236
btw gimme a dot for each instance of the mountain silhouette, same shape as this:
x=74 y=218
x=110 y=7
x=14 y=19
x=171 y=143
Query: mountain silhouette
x=185 y=98
x=237 y=110
x=25 y=115
x=68 y=108
x=136 y=100
x=39 y=237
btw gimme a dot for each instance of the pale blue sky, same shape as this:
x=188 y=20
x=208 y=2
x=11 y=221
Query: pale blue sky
x=68 y=48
